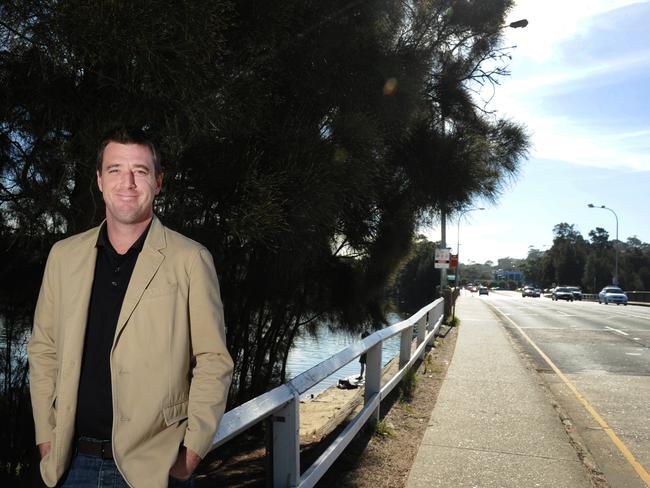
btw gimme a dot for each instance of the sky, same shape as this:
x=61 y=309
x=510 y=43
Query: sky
x=580 y=75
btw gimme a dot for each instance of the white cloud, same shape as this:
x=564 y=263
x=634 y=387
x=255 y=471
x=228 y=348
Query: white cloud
x=540 y=73
x=576 y=76
x=552 y=22
x=563 y=139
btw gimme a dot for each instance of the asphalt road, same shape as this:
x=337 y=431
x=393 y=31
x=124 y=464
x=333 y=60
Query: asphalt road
x=596 y=361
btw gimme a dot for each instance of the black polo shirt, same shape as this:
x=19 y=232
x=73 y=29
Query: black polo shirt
x=112 y=275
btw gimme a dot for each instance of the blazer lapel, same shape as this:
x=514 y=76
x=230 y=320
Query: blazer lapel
x=147 y=265
x=80 y=269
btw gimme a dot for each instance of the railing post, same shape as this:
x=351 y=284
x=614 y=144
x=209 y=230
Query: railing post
x=431 y=325
x=422 y=329
x=286 y=444
x=405 y=341
x=373 y=377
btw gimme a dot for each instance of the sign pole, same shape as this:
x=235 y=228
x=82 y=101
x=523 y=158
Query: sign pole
x=443 y=244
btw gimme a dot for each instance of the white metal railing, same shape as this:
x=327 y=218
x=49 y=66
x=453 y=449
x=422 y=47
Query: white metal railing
x=281 y=404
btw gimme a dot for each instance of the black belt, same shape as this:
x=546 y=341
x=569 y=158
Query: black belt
x=100 y=449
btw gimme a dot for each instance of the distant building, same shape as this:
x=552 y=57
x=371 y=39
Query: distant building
x=508 y=275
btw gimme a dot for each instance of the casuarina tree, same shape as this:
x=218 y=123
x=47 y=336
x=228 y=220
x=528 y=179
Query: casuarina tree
x=303 y=143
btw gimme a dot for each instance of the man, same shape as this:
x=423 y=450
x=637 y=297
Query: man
x=129 y=370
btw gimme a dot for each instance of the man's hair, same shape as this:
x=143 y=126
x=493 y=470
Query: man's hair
x=127 y=135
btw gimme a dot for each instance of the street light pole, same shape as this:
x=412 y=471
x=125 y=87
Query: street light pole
x=443 y=245
x=615 y=280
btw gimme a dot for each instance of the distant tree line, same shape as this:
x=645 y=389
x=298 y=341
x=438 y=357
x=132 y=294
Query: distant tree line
x=574 y=260
x=303 y=143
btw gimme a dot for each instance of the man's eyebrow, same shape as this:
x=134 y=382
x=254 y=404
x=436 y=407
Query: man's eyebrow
x=142 y=166
x=120 y=165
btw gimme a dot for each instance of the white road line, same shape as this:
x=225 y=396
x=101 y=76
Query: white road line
x=632 y=353
x=522 y=314
x=616 y=330
x=562 y=329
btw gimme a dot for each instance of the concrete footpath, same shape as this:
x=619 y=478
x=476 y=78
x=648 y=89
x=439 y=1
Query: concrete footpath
x=493 y=424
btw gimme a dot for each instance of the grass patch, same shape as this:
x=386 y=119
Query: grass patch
x=430 y=366
x=452 y=321
x=428 y=363
x=435 y=369
x=384 y=429
x=409 y=410
x=408 y=385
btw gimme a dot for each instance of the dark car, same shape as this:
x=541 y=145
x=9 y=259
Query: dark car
x=483 y=291
x=562 y=293
x=577 y=292
x=530 y=291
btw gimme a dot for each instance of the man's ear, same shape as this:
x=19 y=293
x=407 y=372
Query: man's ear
x=159 y=181
x=99 y=181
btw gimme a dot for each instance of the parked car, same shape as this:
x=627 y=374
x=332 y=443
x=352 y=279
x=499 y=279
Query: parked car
x=530 y=291
x=483 y=291
x=562 y=293
x=577 y=292
x=612 y=294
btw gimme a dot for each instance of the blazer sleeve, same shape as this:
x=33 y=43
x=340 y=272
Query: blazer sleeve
x=212 y=371
x=41 y=351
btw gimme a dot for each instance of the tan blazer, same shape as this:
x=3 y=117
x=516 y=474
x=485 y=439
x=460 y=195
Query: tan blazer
x=170 y=370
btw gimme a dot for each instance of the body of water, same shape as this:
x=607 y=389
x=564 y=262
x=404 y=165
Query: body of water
x=308 y=351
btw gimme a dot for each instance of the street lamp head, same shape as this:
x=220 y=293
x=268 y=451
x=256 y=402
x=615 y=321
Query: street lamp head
x=518 y=24
x=591 y=205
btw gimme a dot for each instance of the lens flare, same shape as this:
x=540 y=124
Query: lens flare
x=390 y=87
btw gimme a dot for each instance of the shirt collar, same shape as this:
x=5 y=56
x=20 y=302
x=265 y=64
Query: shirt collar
x=104 y=241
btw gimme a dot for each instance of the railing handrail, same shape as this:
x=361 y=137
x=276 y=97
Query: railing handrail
x=306 y=380
x=285 y=398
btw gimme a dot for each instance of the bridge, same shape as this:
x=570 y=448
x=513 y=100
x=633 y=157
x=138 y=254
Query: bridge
x=281 y=405
x=499 y=420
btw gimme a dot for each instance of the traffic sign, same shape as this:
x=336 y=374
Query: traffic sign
x=442 y=258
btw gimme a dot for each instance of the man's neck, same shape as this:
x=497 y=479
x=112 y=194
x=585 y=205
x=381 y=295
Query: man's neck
x=122 y=236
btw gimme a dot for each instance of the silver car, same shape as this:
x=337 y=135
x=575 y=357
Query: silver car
x=530 y=291
x=612 y=294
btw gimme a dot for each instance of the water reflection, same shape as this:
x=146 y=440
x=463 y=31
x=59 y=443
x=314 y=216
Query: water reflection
x=308 y=351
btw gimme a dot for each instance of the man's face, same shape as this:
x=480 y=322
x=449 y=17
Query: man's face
x=128 y=183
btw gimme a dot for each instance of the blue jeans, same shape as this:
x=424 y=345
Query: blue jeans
x=94 y=472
